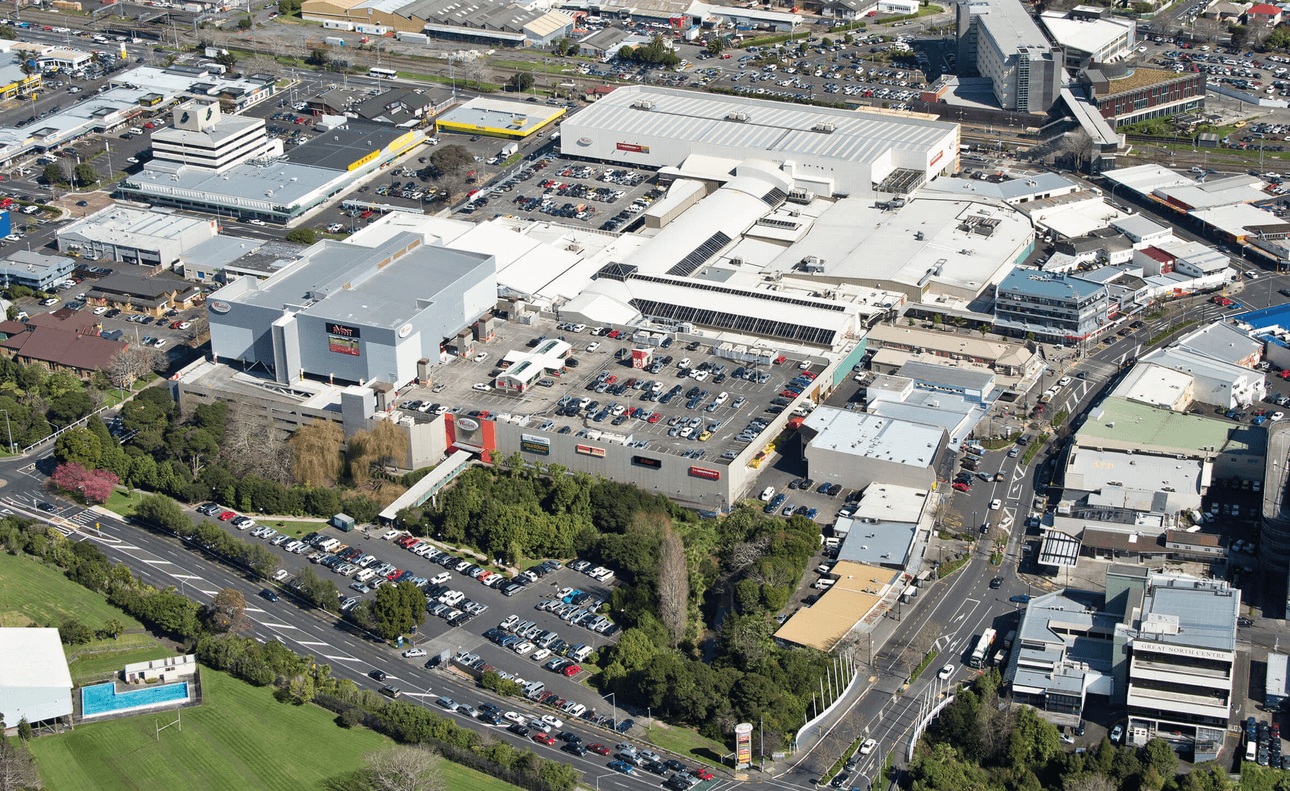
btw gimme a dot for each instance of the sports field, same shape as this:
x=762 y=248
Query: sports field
x=240 y=738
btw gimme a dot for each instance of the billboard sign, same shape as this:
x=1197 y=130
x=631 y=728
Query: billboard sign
x=640 y=358
x=534 y=444
x=343 y=345
x=646 y=461
x=633 y=147
x=342 y=329
x=588 y=450
x=220 y=307
x=743 y=745
x=703 y=472
x=467 y=424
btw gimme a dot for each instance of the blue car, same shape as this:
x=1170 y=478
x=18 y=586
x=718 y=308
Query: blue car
x=625 y=768
x=1260 y=420
x=811 y=512
x=1020 y=598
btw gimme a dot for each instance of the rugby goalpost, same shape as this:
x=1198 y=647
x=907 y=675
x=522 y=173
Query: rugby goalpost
x=179 y=722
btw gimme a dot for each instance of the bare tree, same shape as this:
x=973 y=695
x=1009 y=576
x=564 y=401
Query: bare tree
x=315 y=453
x=253 y=445
x=263 y=65
x=1089 y=782
x=133 y=363
x=921 y=643
x=17 y=769
x=476 y=69
x=673 y=585
x=404 y=768
x=228 y=611
x=746 y=553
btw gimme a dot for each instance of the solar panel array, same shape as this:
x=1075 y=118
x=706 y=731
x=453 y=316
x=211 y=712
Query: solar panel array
x=615 y=271
x=699 y=255
x=775 y=197
x=752 y=325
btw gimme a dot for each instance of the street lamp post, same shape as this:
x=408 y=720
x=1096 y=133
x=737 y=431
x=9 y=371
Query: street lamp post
x=9 y=430
x=614 y=706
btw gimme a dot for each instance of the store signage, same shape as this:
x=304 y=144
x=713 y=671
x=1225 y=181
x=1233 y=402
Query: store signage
x=633 y=147
x=343 y=345
x=467 y=424
x=343 y=330
x=532 y=444
x=405 y=330
x=220 y=307
x=358 y=163
x=402 y=143
x=700 y=472
x=646 y=461
x=938 y=156
x=584 y=141
x=588 y=450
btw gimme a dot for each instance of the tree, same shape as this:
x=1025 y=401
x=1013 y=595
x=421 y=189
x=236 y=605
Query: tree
x=520 y=82
x=315 y=453
x=450 y=160
x=73 y=632
x=673 y=585
x=1240 y=35
x=228 y=611
x=398 y=608
x=476 y=69
x=79 y=446
x=94 y=485
x=17 y=769
x=24 y=729
x=244 y=23
x=383 y=446
x=110 y=630
x=53 y=174
x=135 y=363
x=226 y=59
x=69 y=407
x=302 y=236
x=404 y=767
x=86 y=174
x=716 y=45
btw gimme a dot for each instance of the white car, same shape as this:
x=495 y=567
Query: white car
x=440 y=579
x=523 y=648
x=515 y=717
x=1275 y=416
x=257 y=222
x=479 y=358
x=868 y=746
x=132 y=160
x=1065 y=380
x=50 y=302
x=541 y=654
x=995 y=505
x=159 y=343
x=413 y=653
x=481 y=387
x=552 y=721
x=946 y=672
x=593 y=346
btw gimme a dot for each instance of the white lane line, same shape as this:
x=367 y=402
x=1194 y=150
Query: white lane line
x=156 y=561
x=342 y=658
x=273 y=625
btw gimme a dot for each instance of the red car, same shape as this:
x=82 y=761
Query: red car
x=610 y=379
x=808 y=375
x=598 y=749
x=655 y=417
x=1284 y=374
x=393 y=574
x=543 y=738
x=962 y=487
x=227 y=515
x=790 y=393
x=571 y=670
x=701 y=773
x=780 y=360
x=614 y=333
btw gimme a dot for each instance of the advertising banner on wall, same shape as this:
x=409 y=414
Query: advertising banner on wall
x=342 y=345
x=640 y=358
x=588 y=450
x=534 y=444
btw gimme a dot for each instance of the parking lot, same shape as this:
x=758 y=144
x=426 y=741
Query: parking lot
x=472 y=608
x=568 y=191
x=717 y=407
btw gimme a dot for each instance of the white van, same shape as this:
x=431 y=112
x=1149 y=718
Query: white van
x=767 y=493
x=364 y=575
x=134 y=130
x=328 y=544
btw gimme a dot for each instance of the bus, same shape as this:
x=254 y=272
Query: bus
x=382 y=74
x=982 y=649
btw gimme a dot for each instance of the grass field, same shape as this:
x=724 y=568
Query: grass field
x=33 y=593
x=122 y=503
x=240 y=738
x=686 y=742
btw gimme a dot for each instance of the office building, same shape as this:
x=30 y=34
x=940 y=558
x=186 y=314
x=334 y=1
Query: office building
x=35 y=270
x=1054 y=307
x=1088 y=34
x=156 y=238
x=203 y=137
x=999 y=40
x=1127 y=95
x=854 y=449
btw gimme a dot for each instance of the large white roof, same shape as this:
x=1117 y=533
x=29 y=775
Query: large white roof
x=868 y=436
x=32 y=658
x=769 y=126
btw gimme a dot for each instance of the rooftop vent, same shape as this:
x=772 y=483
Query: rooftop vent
x=642 y=104
x=824 y=128
x=739 y=116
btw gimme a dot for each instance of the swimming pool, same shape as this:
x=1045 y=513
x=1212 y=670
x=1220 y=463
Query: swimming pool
x=103 y=698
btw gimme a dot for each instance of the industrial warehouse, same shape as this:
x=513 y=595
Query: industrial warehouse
x=828 y=152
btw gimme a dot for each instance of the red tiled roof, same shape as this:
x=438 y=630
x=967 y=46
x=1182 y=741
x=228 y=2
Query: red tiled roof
x=1264 y=9
x=64 y=347
x=65 y=319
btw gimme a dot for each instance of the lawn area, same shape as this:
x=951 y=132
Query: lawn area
x=686 y=743
x=99 y=664
x=240 y=738
x=34 y=593
x=121 y=502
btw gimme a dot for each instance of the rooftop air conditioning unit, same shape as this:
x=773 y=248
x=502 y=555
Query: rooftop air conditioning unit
x=824 y=128
x=643 y=104
x=738 y=116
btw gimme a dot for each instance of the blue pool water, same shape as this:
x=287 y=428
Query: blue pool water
x=103 y=698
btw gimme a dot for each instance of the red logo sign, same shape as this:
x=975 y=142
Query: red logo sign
x=700 y=472
x=588 y=450
x=633 y=147
x=938 y=156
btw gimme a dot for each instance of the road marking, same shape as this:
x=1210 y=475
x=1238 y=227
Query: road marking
x=157 y=561
x=343 y=658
